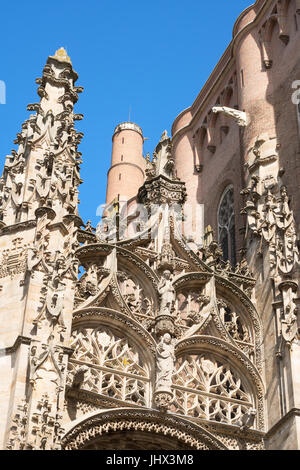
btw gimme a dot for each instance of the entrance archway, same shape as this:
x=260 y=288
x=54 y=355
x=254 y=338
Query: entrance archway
x=138 y=429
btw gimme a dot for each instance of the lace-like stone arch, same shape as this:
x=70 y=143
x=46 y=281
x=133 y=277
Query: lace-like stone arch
x=106 y=363
x=206 y=386
x=149 y=426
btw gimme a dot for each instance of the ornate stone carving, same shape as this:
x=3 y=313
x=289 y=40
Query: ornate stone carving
x=163 y=400
x=239 y=116
x=50 y=358
x=88 y=285
x=134 y=295
x=166 y=258
x=289 y=321
x=128 y=290
x=165 y=358
x=161 y=190
x=191 y=307
x=53 y=300
x=112 y=366
x=264 y=152
x=206 y=388
x=167 y=294
x=242 y=268
x=14 y=260
x=270 y=217
x=17 y=436
x=233 y=324
x=248 y=365
x=47 y=431
x=147 y=421
x=248 y=419
x=211 y=253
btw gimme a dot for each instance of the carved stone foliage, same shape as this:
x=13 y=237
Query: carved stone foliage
x=207 y=388
x=113 y=367
x=46 y=431
x=17 y=435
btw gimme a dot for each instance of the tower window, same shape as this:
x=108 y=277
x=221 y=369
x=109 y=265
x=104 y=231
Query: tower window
x=226 y=226
x=123 y=140
x=122 y=158
x=242 y=78
x=120 y=177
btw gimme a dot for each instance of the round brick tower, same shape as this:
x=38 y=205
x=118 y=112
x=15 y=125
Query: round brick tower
x=126 y=174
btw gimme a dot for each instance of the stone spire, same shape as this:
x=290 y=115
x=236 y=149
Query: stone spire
x=38 y=238
x=44 y=171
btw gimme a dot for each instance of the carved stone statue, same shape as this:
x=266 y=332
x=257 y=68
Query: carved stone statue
x=165 y=360
x=166 y=257
x=167 y=293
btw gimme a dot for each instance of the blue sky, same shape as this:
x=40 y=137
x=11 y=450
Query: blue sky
x=153 y=56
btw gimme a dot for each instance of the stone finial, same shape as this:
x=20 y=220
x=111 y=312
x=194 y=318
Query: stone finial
x=164 y=136
x=62 y=56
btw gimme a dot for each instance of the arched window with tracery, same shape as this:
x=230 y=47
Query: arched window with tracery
x=209 y=388
x=226 y=225
x=108 y=364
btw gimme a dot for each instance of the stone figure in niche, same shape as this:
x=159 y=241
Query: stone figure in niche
x=167 y=255
x=131 y=293
x=268 y=221
x=167 y=294
x=91 y=281
x=165 y=363
x=88 y=227
x=89 y=284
